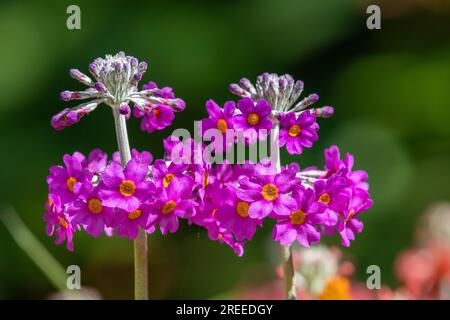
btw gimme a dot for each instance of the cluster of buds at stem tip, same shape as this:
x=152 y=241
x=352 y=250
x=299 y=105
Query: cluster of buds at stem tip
x=282 y=93
x=115 y=83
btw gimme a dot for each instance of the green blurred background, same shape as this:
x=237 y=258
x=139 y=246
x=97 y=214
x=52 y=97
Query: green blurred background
x=390 y=89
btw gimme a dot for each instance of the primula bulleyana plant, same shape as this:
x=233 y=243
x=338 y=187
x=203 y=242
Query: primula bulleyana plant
x=229 y=200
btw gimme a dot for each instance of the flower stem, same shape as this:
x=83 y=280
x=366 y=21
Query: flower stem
x=140 y=243
x=286 y=251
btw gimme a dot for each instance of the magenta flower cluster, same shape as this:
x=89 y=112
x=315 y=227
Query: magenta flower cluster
x=231 y=201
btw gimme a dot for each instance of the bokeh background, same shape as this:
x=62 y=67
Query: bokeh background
x=390 y=89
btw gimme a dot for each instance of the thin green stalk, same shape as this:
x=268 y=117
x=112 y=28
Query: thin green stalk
x=140 y=243
x=286 y=251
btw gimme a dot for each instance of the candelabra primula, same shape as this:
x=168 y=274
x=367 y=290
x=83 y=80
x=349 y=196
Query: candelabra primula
x=133 y=194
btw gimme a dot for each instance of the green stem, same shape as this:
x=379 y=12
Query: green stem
x=286 y=251
x=140 y=243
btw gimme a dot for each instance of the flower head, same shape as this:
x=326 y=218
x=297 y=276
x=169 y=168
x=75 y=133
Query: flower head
x=115 y=83
x=281 y=92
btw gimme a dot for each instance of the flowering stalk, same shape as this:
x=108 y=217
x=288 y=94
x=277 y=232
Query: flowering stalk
x=286 y=251
x=101 y=197
x=140 y=243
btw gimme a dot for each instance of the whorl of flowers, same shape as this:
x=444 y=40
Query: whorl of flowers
x=231 y=201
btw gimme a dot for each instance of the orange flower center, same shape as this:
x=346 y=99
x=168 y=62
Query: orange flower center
x=63 y=222
x=167 y=179
x=95 y=205
x=297 y=217
x=205 y=180
x=168 y=207
x=253 y=119
x=70 y=183
x=133 y=215
x=222 y=125
x=127 y=188
x=242 y=208
x=269 y=192
x=294 y=130
x=156 y=112
x=325 y=198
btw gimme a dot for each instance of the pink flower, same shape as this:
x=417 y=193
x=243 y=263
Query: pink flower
x=58 y=222
x=126 y=188
x=171 y=203
x=348 y=223
x=65 y=182
x=158 y=113
x=164 y=175
x=301 y=224
x=298 y=132
x=127 y=223
x=334 y=193
x=88 y=210
x=234 y=216
x=220 y=119
x=254 y=122
x=268 y=194
x=334 y=165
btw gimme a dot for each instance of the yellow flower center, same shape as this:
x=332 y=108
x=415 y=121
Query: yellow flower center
x=222 y=125
x=242 y=208
x=133 y=215
x=168 y=207
x=337 y=288
x=297 y=217
x=253 y=119
x=269 y=192
x=95 y=205
x=70 y=183
x=167 y=179
x=294 y=130
x=325 y=198
x=50 y=201
x=205 y=180
x=127 y=188
x=63 y=222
